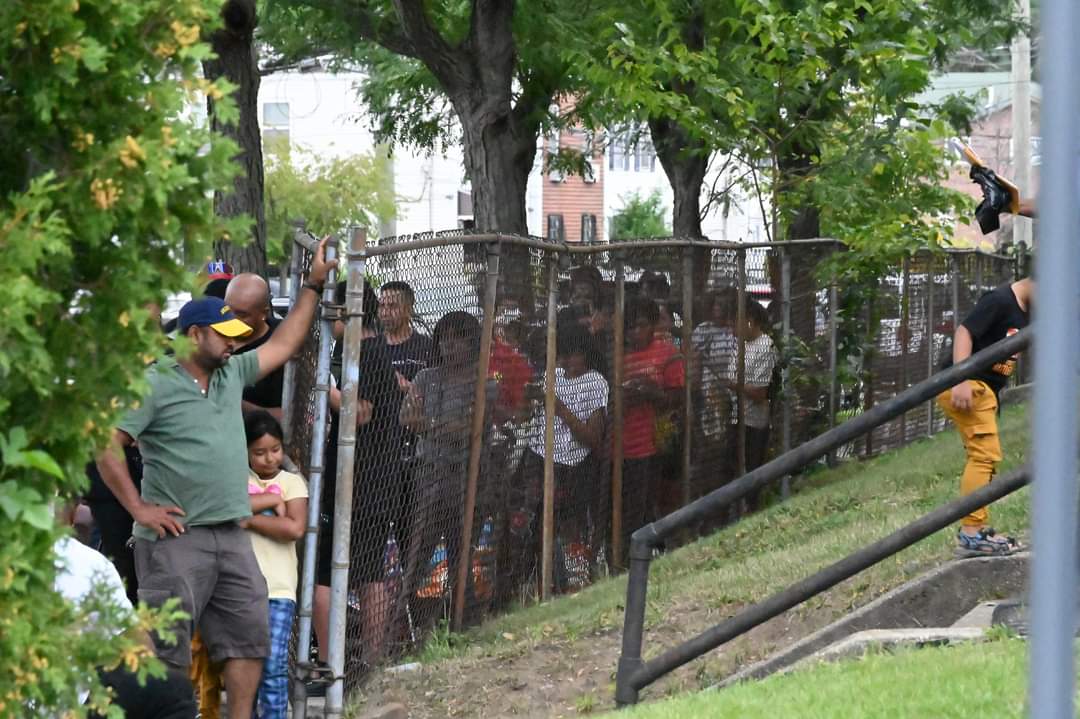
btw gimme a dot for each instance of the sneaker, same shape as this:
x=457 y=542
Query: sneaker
x=987 y=543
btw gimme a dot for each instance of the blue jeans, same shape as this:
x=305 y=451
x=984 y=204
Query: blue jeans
x=273 y=702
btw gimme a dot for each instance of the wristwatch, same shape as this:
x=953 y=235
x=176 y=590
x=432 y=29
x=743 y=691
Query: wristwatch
x=312 y=286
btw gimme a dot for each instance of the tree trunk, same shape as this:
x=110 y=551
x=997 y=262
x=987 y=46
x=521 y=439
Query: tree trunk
x=685 y=162
x=236 y=61
x=498 y=157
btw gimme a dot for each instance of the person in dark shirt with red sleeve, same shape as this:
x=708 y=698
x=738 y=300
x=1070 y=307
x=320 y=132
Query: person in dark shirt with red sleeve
x=972 y=406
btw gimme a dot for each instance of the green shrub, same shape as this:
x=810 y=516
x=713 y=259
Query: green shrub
x=105 y=193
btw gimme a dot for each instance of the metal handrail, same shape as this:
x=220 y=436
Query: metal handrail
x=635 y=674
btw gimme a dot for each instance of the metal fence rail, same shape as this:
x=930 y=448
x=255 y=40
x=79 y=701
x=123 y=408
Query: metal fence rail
x=678 y=365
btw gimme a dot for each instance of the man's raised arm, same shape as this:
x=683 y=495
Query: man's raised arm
x=289 y=335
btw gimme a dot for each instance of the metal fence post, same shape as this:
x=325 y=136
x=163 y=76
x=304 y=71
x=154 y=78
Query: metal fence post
x=687 y=352
x=785 y=310
x=904 y=335
x=346 y=469
x=931 y=283
x=315 y=477
x=978 y=274
x=834 y=305
x=740 y=368
x=476 y=437
x=617 y=412
x=869 y=353
x=955 y=283
x=1054 y=416
x=296 y=265
x=547 y=564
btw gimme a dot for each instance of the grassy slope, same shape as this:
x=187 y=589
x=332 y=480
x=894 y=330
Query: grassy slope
x=970 y=680
x=833 y=513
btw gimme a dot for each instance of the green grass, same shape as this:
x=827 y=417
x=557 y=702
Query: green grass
x=833 y=513
x=969 y=680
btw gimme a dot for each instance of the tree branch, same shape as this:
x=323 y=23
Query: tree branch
x=364 y=22
x=430 y=47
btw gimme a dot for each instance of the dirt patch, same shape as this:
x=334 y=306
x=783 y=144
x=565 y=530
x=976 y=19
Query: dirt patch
x=556 y=676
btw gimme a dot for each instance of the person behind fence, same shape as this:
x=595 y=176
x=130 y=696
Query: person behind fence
x=507 y=365
x=581 y=400
x=377 y=488
x=713 y=349
x=653 y=375
x=248 y=295
x=438 y=408
x=409 y=350
x=972 y=405
x=759 y=361
x=278 y=519
x=188 y=543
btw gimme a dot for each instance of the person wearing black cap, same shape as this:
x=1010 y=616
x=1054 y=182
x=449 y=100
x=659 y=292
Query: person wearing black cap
x=188 y=543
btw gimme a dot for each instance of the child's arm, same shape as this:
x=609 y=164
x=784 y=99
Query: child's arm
x=266 y=500
x=287 y=528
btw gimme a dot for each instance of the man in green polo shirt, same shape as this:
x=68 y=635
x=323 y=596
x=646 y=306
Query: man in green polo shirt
x=191 y=433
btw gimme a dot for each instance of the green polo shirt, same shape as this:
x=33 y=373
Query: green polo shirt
x=193 y=445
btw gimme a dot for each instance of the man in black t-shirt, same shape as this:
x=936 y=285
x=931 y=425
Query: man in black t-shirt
x=409 y=350
x=972 y=405
x=248 y=295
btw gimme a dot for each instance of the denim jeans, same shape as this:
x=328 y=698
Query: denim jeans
x=273 y=702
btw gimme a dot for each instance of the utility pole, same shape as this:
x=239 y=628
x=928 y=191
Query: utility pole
x=1021 y=119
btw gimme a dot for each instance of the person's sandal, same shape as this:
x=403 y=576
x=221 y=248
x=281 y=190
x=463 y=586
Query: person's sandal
x=987 y=543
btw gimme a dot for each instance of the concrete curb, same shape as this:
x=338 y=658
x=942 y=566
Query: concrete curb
x=938 y=598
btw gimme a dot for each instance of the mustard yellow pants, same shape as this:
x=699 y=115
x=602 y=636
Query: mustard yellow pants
x=979 y=432
x=207 y=678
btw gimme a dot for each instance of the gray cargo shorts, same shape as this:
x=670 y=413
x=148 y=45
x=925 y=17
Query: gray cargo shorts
x=212 y=570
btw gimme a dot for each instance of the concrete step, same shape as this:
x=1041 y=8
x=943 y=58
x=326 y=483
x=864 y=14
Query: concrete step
x=939 y=598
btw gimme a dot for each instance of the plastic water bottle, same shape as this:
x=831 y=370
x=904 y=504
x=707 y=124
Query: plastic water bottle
x=486 y=533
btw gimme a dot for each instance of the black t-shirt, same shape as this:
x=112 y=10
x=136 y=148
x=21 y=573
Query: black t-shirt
x=267 y=391
x=376 y=443
x=410 y=356
x=995 y=317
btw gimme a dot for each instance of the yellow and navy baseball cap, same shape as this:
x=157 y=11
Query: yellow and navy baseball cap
x=211 y=312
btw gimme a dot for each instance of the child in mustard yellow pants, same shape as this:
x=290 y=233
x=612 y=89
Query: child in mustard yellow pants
x=972 y=406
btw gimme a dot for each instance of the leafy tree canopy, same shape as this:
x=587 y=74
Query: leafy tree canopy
x=105 y=193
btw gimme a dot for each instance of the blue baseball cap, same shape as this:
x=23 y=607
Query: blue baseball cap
x=214 y=313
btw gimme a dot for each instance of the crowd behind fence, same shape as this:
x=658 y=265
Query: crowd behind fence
x=678 y=366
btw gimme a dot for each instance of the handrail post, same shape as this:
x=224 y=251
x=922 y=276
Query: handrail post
x=476 y=437
x=617 y=412
x=315 y=482
x=547 y=567
x=346 y=469
x=637 y=587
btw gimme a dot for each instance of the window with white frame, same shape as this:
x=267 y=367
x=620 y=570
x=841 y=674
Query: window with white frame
x=275 y=120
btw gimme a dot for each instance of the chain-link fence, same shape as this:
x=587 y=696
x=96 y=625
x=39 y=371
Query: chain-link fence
x=677 y=367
